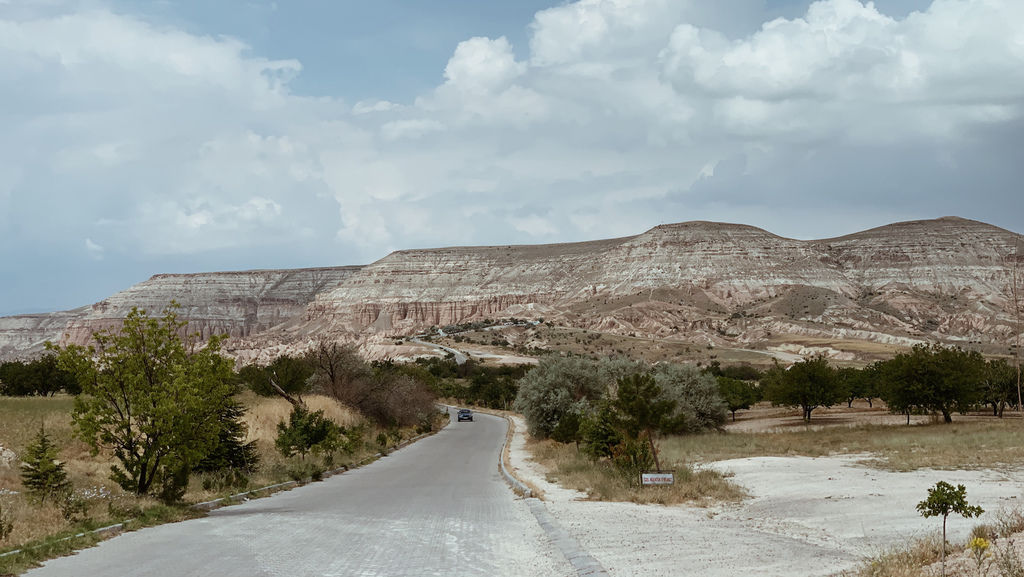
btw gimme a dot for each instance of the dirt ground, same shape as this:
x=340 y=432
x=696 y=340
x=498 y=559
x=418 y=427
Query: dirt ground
x=805 y=516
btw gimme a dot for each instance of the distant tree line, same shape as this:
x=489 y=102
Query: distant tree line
x=39 y=377
x=928 y=379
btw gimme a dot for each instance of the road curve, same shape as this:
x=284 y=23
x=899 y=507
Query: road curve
x=460 y=357
x=437 y=507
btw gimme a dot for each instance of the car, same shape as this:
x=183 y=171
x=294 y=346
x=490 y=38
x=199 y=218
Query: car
x=465 y=415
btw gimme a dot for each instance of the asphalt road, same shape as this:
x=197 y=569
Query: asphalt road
x=436 y=507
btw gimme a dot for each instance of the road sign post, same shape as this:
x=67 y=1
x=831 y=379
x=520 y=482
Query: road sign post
x=658 y=478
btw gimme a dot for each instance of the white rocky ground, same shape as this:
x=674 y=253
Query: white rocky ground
x=805 y=517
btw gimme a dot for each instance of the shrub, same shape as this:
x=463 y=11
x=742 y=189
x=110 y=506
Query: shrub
x=557 y=386
x=698 y=402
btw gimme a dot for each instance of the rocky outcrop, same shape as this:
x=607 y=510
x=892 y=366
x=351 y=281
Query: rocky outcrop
x=238 y=304
x=946 y=279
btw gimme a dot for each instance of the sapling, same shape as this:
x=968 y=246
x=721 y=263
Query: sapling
x=944 y=499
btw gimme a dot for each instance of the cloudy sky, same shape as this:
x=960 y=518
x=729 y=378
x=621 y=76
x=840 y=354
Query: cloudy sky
x=185 y=135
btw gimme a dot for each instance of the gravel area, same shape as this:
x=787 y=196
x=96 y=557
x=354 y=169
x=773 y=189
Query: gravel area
x=805 y=517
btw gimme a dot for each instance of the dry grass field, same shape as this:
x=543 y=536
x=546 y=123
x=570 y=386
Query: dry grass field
x=106 y=503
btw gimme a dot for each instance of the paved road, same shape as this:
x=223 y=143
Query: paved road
x=437 y=507
x=460 y=357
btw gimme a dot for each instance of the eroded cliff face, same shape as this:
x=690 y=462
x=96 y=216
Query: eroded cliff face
x=238 y=304
x=947 y=280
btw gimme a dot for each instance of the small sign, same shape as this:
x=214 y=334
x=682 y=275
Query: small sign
x=659 y=478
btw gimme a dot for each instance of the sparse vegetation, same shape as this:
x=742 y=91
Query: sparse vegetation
x=944 y=500
x=967 y=445
x=603 y=481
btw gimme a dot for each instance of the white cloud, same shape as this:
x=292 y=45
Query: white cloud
x=95 y=251
x=482 y=66
x=370 y=106
x=152 y=141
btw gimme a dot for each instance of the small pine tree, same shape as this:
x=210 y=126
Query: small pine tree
x=41 y=472
x=231 y=451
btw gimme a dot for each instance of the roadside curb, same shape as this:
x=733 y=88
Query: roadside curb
x=517 y=486
x=583 y=562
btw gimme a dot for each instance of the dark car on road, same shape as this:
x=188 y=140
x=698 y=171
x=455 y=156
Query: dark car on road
x=465 y=415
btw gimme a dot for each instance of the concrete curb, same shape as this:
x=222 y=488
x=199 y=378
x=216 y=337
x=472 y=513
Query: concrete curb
x=582 y=561
x=517 y=485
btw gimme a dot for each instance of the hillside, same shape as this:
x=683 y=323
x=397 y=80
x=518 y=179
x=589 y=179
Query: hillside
x=730 y=285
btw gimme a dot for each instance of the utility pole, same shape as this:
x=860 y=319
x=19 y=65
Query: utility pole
x=1016 y=310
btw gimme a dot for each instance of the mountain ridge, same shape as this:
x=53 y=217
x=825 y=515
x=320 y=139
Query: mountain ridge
x=718 y=283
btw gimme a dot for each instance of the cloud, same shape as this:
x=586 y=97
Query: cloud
x=161 y=144
x=95 y=251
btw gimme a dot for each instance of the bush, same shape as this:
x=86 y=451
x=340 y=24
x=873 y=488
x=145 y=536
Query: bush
x=557 y=386
x=698 y=403
x=599 y=434
x=307 y=432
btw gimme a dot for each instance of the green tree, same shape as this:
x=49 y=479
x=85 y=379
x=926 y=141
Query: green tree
x=151 y=399
x=642 y=409
x=944 y=500
x=568 y=429
x=738 y=394
x=42 y=473
x=598 y=432
x=808 y=384
x=40 y=376
x=933 y=378
x=698 y=402
x=290 y=373
x=307 y=432
x=231 y=451
x=998 y=386
x=558 y=385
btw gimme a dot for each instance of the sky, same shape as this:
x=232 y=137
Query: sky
x=139 y=138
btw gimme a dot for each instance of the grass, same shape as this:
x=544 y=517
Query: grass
x=966 y=445
x=919 y=557
x=603 y=482
x=42 y=528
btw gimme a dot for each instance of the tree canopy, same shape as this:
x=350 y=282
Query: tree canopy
x=933 y=379
x=808 y=384
x=152 y=399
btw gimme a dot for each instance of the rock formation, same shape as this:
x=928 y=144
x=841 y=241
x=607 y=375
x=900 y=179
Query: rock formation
x=944 y=280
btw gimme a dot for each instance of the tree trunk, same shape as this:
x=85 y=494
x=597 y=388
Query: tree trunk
x=295 y=402
x=654 y=451
x=734 y=416
x=869 y=403
x=946 y=416
x=944 y=545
